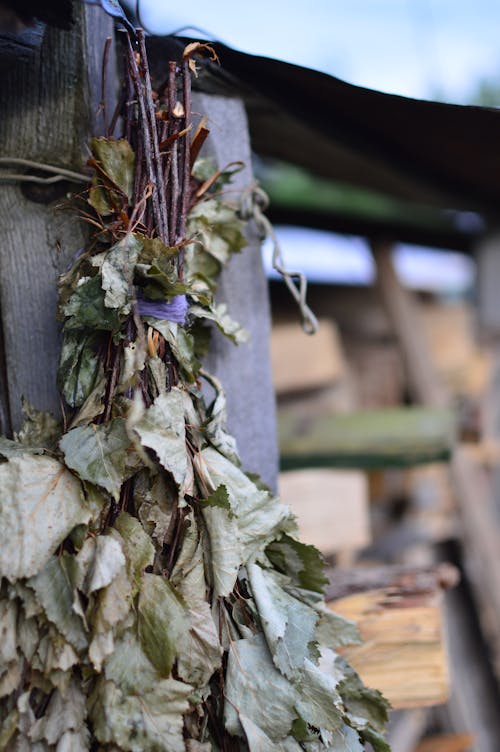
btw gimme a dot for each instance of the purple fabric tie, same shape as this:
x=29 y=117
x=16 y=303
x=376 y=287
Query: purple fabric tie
x=174 y=311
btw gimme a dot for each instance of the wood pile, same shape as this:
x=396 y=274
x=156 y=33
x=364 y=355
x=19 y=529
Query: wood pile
x=390 y=460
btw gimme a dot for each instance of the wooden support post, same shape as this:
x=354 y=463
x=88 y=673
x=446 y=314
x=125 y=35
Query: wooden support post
x=423 y=381
x=48 y=109
x=48 y=105
x=245 y=371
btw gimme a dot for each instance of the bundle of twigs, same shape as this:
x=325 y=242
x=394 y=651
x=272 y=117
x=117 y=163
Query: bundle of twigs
x=154 y=596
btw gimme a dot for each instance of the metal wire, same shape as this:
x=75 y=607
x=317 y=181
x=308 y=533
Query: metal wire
x=254 y=202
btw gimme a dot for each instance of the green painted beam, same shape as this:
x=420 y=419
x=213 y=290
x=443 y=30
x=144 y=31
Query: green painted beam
x=399 y=437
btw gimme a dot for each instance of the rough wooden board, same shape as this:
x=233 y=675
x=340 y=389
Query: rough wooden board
x=403 y=654
x=301 y=362
x=398 y=437
x=48 y=105
x=331 y=507
x=446 y=743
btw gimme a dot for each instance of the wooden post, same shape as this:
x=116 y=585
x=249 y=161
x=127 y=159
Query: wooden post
x=423 y=380
x=48 y=105
x=245 y=371
x=48 y=109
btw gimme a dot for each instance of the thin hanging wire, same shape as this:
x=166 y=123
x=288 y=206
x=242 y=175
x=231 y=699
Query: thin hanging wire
x=254 y=202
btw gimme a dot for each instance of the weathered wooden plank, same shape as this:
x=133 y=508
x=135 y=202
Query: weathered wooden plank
x=400 y=581
x=331 y=507
x=378 y=438
x=48 y=108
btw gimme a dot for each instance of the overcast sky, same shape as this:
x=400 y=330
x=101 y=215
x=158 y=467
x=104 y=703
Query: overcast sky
x=410 y=47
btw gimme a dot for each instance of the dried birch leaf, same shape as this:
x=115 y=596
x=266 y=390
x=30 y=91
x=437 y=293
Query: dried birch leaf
x=100 y=559
x=162 y=622
x=64 y=714
x=139 y=551
x=215 y=424
x=319 y=702
x=86 y=308
x=117 y=159
x=55 y=592
x=258 y=741
x=161 y=428
x=302 y=563
x=111 y=608
x=101 y=454
x=345 y=739
x=255 y=687
x=40 y=503
x=217 y=229
x=8 y=632
x=218 y=314
x=147 y=723
x=201 y=653
x=117 y=273
x=39 y=429
x=79 y=367
x=289 y=625
x=260 y=517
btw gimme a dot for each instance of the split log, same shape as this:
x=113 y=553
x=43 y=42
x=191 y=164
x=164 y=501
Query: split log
x=398 y=612
x=302 y=362
x=331 y=507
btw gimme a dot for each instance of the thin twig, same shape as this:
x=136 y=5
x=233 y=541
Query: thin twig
x=186 y=167
x=104 y=84
x=173 y=155
x=146 y=135
x=129 y=100
x=163 y=219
